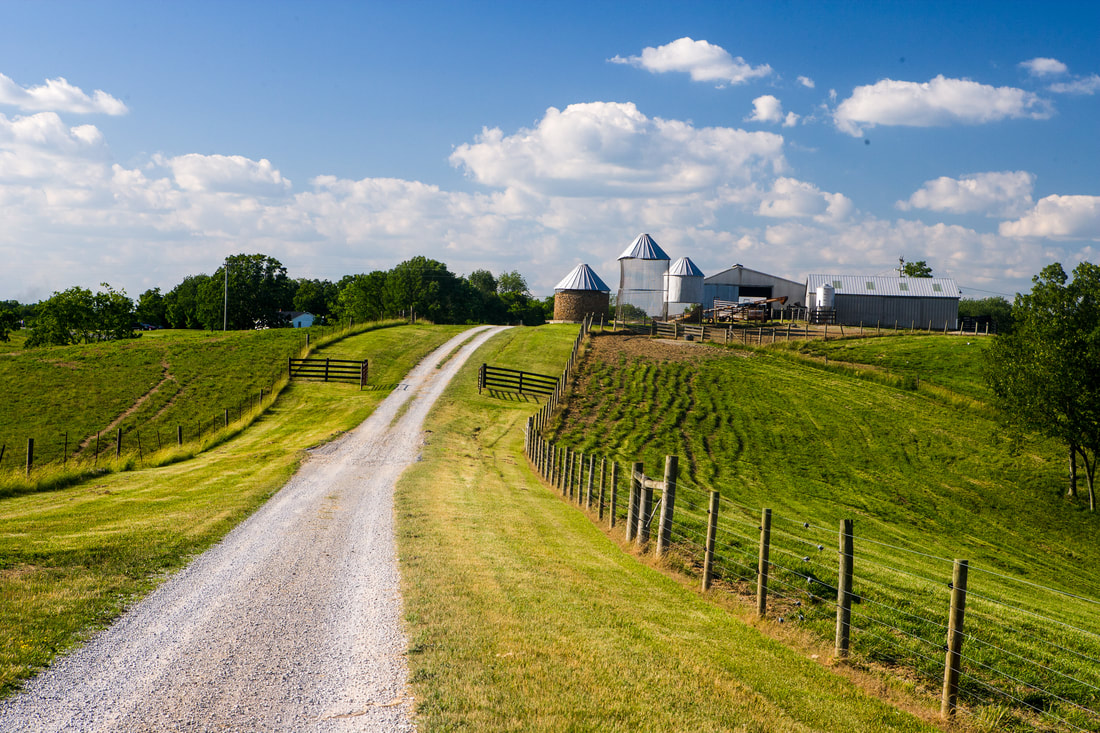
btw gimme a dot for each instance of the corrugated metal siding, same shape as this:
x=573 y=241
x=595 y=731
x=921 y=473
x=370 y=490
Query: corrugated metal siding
x=905 y=312
x=911 y=287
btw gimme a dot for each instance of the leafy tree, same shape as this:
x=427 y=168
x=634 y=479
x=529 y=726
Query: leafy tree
x=77 y=316
x=483 y=281
x=512 y=282
x=181 y=304
x=1046 y=372
x=316 y=296
x=920 y=268
x=9 y=322
x=362 y=297
x=429 y=289
x=151 y=308
x=997 y=308
x=258 y=288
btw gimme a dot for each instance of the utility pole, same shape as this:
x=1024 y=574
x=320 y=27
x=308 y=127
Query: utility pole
x=225 y=300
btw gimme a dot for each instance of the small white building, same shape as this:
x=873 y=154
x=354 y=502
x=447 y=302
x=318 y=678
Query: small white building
x=298 y=319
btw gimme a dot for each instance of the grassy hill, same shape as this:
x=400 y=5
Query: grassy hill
x=927 y=474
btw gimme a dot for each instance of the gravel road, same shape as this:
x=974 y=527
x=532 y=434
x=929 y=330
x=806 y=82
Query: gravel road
x=291 y=623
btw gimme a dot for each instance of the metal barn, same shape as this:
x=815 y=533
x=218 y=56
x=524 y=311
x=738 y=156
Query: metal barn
x=906 y=302
x=739 y=282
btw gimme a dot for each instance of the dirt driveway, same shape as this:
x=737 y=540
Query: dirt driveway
x=291 y=623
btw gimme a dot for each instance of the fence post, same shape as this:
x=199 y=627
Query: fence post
x=481 y=378
x=844 y=589
x=632 y=505
x=118 y=444
x=954 y=639
x=553 y=467
x=603 y=469
x=588 y=486
x=179 y=435
x=614 y=492
x=30 y=455
x=227 y=415
x=712 y=534
x=645 y=512
x=762 y=564
x=668 y=505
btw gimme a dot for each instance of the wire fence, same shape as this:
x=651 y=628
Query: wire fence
x=994 y=645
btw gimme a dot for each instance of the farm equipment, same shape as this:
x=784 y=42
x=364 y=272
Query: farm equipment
x=750 y=310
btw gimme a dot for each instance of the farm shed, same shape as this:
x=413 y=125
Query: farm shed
x=923 y=302
x=579 y=293
x=738 y=282
x=642 y=269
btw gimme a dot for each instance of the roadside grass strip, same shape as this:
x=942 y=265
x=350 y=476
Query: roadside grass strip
x=72 y=559
x=524 y=615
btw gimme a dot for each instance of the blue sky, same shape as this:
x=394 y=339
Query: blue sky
x=143 y=142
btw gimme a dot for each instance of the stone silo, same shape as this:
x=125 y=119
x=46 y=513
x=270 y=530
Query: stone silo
x=580 y=293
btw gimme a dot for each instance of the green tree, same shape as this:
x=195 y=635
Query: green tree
x=997 y=308
x=1046 y=372
x=920 y=268
x=427 y=288
x=316 y=296
x=483 y=281
x=258 y=289
x=181 y=304
x=9 y=322
x=151 y=308
x=77 y=315
x=512 y=282
x=361 y=297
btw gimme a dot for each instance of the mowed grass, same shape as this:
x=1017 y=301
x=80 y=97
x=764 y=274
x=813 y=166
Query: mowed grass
x=72 y=559
x=926 y=479
x=523 y=615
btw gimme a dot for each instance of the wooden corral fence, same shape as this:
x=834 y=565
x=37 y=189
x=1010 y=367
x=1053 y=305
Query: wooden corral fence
x=514 y=380
x=329 y=370
x=760 y=335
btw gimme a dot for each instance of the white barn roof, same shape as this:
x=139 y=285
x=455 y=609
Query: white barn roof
x=643 y=248
x=911 y=287
x=684 y=267
x=582 y=277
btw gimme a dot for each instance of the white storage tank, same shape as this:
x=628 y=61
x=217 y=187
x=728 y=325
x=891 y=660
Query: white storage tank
x=684 y=282
x=825 y=296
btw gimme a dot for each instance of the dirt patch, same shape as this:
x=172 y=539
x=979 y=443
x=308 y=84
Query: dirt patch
x=609 y=346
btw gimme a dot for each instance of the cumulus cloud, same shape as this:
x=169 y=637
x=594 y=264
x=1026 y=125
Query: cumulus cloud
x=1083 y=85
x=608 y=148
x=225 y=173
x=58 y=95
x=769 y=109
x=791 y=198
x=704 y=61
x=1060 y=218
x=806 y=82
x=1000 y=193
x=935 y=103
x=1044 y=67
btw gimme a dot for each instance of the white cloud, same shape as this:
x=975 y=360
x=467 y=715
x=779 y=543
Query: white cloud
x=1083 y=85
x=766 y=109
x=225 y=173
x=1059 y=218
x=607 y=148
x=1001 y=193
x=935 y=103
x=58 y=95
x=806 y=82
x=790 y=198
x=704 y=61
x=1044 y=66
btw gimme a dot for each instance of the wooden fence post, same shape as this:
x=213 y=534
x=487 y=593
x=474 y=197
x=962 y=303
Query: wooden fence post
x=645 y=512
x=712 y=534
x=118 y=444
x=588 y=491
x=603 y=472
x=635 y=495
x=227 y=414
x=30 y=455
x=614 y=492
x=954 y=639
x=762 y=563
x=668 y=505
x=844 y=589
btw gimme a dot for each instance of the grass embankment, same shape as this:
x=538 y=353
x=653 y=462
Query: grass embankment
x=523 y=615
x=62 y=396
x=926 y=477
x=71 y=559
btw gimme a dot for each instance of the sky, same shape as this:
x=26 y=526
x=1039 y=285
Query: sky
x=144 y=142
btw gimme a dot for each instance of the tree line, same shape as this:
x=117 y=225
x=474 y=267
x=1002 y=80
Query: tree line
x=254 y=291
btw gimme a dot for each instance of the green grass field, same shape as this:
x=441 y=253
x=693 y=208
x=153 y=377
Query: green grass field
x=72 y=558
x=925 y=479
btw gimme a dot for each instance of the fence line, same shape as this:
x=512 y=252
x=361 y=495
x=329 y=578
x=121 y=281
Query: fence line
x=804 y=589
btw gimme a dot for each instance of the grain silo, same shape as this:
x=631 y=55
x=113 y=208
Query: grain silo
x=642 y=269
x=580 y=293
x=683 y=286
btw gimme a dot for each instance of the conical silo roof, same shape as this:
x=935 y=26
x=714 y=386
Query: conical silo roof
x=643 y=248
x=684 y=267
x=582 y=277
